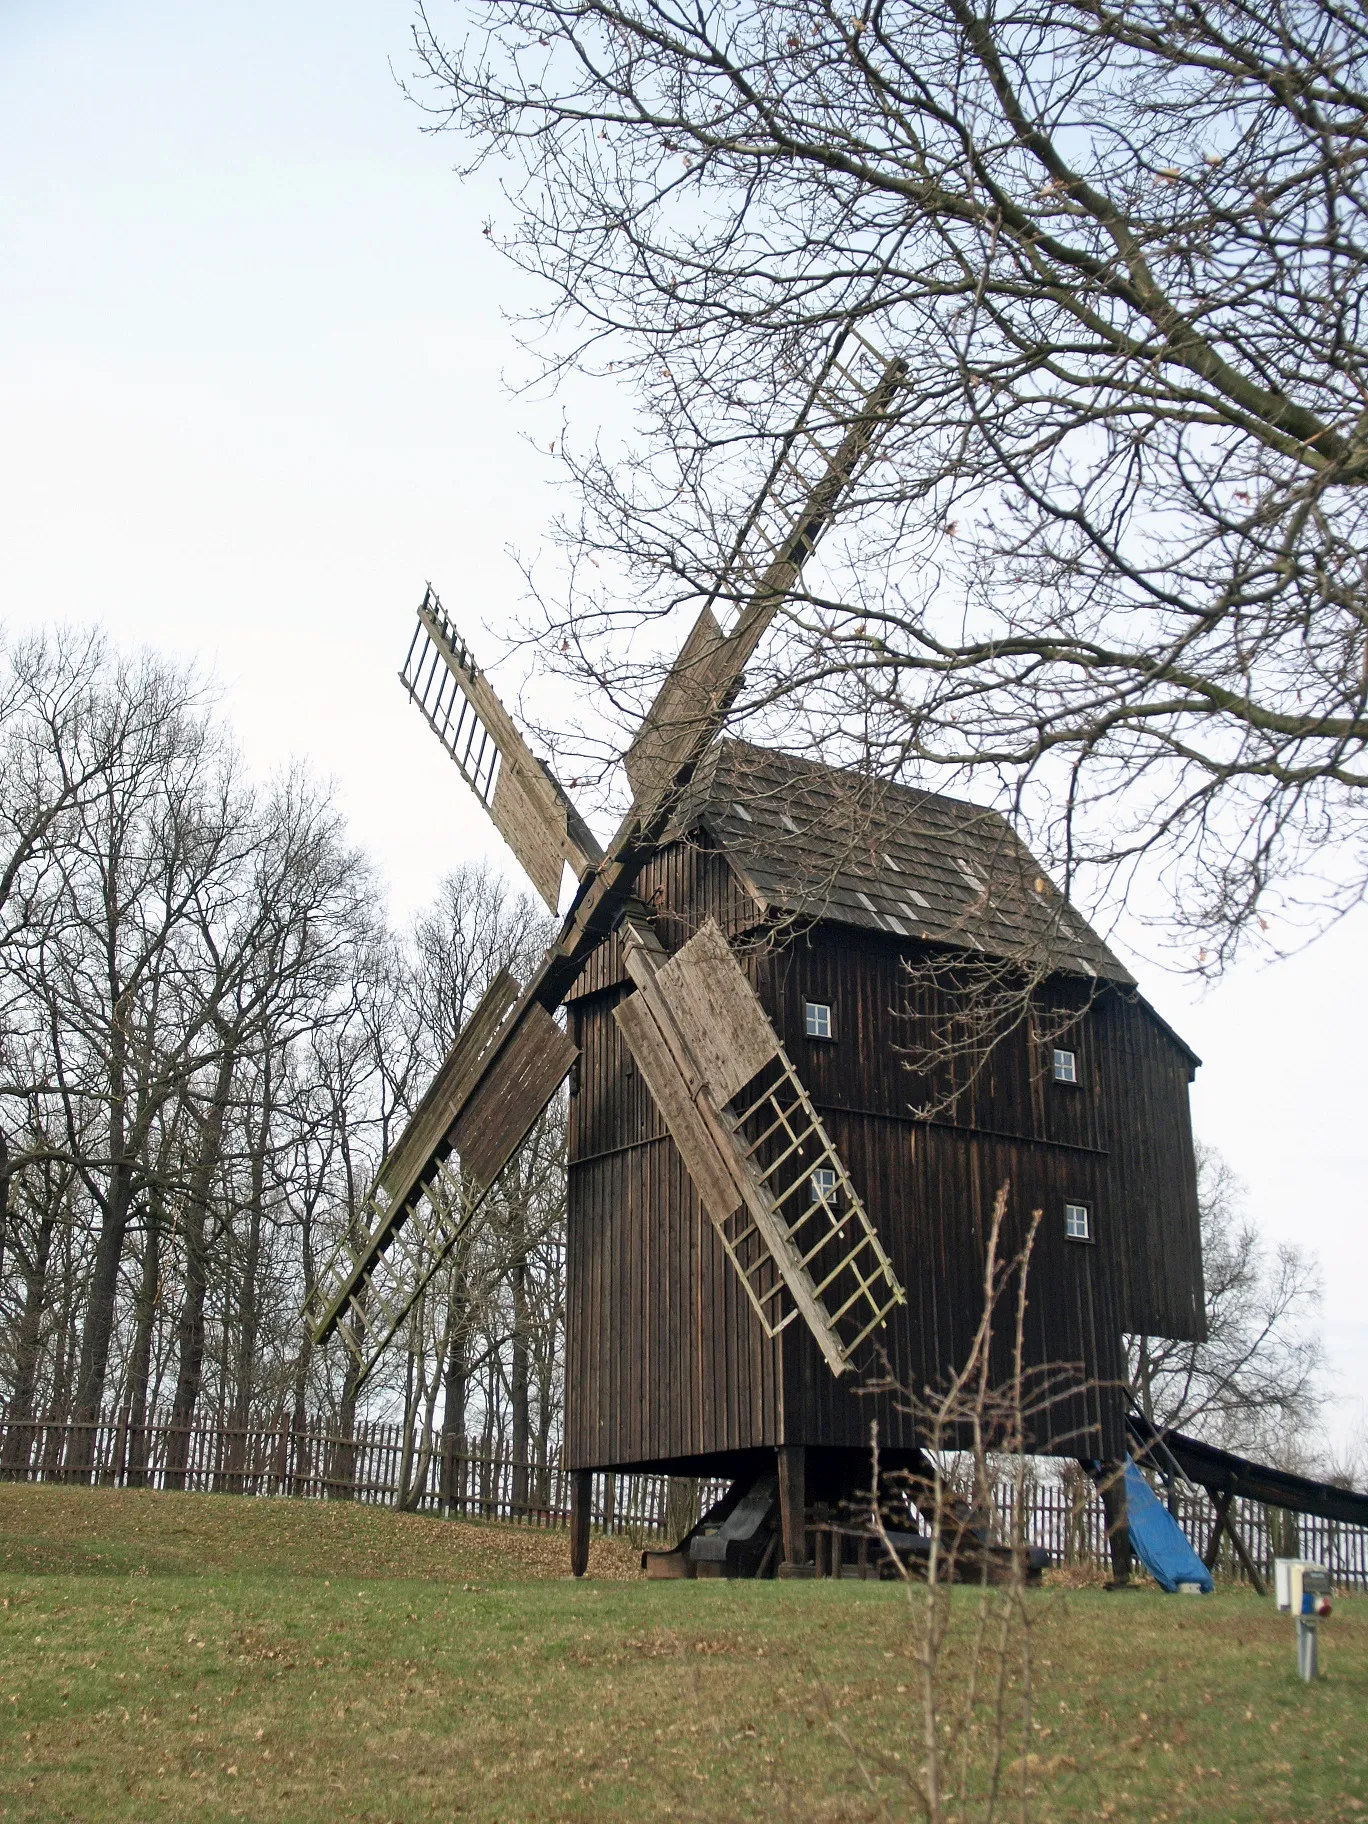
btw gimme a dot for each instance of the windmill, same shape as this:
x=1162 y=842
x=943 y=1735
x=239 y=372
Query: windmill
x=698 y=1034
x=733 y=1126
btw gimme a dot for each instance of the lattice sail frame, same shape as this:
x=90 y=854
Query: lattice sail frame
x=527 y=806
x=545 y=830
x=828 y=1238
x=753 y=1143
x=789 y=515
x=376 y=1294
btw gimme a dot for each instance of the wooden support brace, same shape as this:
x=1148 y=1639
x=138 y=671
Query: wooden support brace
x=581 y=1499
x=793 y=1501
x=1224 y=1523
x=1222 y=1505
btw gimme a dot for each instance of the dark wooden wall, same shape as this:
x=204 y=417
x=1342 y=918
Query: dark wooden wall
x=665 y=1360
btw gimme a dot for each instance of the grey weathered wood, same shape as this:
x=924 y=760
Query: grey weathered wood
x=696 y=1142
x=530 y=810
x=685 y=701
x=533 y=828
x=448 y=1090
x=716 y=1009
x=510 y=1096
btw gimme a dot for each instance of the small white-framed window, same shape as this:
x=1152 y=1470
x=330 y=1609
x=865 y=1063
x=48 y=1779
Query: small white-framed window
x=1065 y=1066
x=817 y=1020
x=1078 y=1222
x=822 y=1184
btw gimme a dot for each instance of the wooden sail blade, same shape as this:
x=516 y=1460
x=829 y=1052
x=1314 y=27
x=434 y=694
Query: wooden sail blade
x=411 y=1160
x=529 y=809
x=687 y=699
x=770 y=1177
x=835 y=435
x=701 y=1148
x=714 y=1006
x=436 y=1114
x=846 y=412
x=502 y=1108
x=495 y=1082
x=497 y=1117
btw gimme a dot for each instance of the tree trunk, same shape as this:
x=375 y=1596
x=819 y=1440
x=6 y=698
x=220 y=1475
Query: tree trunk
x=28 y=1349
x=342 y=1472
x=4 y=1200
x=98 y=1331
x=454 y=1389
x=520 y=1386
x=1111 y=1485
x=140 y=1364
x=299 y=1410
x=249 y=1303
x=190 y=1330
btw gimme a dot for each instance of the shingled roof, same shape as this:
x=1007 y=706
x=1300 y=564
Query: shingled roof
x=819 y=841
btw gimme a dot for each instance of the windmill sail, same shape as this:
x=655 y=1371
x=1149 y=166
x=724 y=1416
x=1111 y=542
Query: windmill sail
x=529 y=809
x=836 y=433
x=496 y=1081
x=770 y=1177
x=834 y=1273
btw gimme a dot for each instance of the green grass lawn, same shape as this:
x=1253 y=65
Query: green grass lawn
x=204 y=1657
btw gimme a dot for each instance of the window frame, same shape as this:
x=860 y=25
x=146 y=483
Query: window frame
x=825 y=1007
x=827 y=1194
x=1071 y=1053
x=1089 y=1236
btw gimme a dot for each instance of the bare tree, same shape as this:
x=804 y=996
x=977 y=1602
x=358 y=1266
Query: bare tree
x=1111 y=561
x=207 y=1038
x=1256 y=1379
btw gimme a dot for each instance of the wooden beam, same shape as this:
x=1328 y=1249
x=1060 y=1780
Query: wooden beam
x=792 y=1460
x=581 y=1498
x=1252 y=1570
x=1222 y=1506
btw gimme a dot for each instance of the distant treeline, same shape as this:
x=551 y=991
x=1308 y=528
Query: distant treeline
x=209 y=1037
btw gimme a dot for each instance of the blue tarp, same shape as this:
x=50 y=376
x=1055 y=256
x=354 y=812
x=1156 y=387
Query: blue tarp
x=1159 y=1542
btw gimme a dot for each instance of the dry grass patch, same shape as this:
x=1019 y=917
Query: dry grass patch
x=49 y=1531
x=515 y=1695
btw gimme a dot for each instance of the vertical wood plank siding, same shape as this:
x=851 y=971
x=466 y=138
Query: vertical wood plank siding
x=665 y=1361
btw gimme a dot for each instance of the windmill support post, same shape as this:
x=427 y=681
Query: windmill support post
x=1111 y=1485
x=792 y=1462
x=581 y=1498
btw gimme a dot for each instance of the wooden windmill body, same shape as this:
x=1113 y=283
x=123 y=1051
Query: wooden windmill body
x=667 y=1365
x=763 y=1208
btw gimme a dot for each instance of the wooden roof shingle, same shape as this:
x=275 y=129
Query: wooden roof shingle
x=817 y=841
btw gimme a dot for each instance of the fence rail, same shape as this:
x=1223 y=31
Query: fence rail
x=1069 y=1523
x=464 y=1476
x=272 y=1457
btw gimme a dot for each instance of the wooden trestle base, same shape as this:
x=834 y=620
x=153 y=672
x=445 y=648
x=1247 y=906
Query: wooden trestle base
x=788 y=1522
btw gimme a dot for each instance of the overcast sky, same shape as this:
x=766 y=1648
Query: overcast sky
x=252 y=378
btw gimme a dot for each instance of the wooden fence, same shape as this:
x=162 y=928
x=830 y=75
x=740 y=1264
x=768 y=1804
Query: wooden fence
x=270 y=1457
x=1068 y=1521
